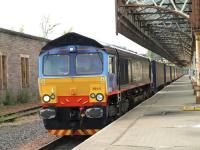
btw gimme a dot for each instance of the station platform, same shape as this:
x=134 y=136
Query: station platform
x=159 y=123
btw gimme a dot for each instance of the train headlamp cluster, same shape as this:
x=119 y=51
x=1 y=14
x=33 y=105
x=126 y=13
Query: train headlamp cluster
x=46 y=98
x=99 y=96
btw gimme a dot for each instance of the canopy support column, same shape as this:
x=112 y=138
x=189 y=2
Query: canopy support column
x=197 y=43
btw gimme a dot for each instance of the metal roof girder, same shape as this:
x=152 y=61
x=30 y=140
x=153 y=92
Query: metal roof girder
x=178 y=21
x=150 y=39
x=157 y=7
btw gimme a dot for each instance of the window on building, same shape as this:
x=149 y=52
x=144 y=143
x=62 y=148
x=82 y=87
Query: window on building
x=25 y=71
x=3 y=72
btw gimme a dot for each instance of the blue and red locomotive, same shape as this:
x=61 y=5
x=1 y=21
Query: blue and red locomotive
x=84 y=85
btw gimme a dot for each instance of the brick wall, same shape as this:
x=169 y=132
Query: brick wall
x=15 y=45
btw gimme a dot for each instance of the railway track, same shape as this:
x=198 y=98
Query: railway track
x=64 y=143
x=21 y=113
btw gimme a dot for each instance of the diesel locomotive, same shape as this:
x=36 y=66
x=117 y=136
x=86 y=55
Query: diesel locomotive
x=84 y=84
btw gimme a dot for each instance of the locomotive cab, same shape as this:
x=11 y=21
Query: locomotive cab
x=73 y=87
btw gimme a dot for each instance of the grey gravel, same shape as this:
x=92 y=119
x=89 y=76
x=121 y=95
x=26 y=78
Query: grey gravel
x=28 y=133
x=14 y=135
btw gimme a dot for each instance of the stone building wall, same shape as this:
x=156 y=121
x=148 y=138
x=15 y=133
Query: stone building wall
x=15 y=45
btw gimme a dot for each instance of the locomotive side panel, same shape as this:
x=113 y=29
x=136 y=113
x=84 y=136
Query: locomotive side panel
x=133 y=69
x=146 y=71
x=137 y=71
x=173 y=73
x=123 y=71
x=168 y=76
x=159 y=74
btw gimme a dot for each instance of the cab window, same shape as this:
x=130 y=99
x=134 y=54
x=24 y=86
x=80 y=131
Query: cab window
x=56 y=65
x=91 y=63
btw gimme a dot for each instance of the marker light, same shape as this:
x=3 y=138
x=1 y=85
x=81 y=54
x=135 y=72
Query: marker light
x=92 y=95
x=99 y=97
x=53 y=96
x=71 y=49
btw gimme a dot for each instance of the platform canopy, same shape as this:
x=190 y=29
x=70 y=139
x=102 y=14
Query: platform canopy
x=162 y=26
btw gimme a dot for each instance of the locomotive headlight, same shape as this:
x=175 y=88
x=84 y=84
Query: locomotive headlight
x=46 y=98
x=99 y=97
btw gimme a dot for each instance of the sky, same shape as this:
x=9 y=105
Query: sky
x=92 y=18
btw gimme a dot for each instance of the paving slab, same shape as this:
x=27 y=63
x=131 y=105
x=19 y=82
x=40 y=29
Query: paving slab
x=159 y=123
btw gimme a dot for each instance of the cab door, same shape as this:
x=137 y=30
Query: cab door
x=112 y=73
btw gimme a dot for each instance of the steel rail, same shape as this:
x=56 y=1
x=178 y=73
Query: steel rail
x=65 y=142
x=52 y=144
x=18 y=114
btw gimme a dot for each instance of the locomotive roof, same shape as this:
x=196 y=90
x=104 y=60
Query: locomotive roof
x=72 y=38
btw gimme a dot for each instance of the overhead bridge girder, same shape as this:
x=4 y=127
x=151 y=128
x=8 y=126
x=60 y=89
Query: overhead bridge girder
x=155 y=24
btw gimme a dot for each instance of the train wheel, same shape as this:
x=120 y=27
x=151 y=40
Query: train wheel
x=149 y=93
x=145 y=95
x=131 y=102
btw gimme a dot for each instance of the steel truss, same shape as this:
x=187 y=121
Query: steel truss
x=162 y=26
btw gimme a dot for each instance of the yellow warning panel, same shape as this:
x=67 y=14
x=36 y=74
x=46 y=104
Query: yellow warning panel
x=191 y=108
x=197 y=108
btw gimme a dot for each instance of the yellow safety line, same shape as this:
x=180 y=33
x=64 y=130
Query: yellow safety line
x=191 y=108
